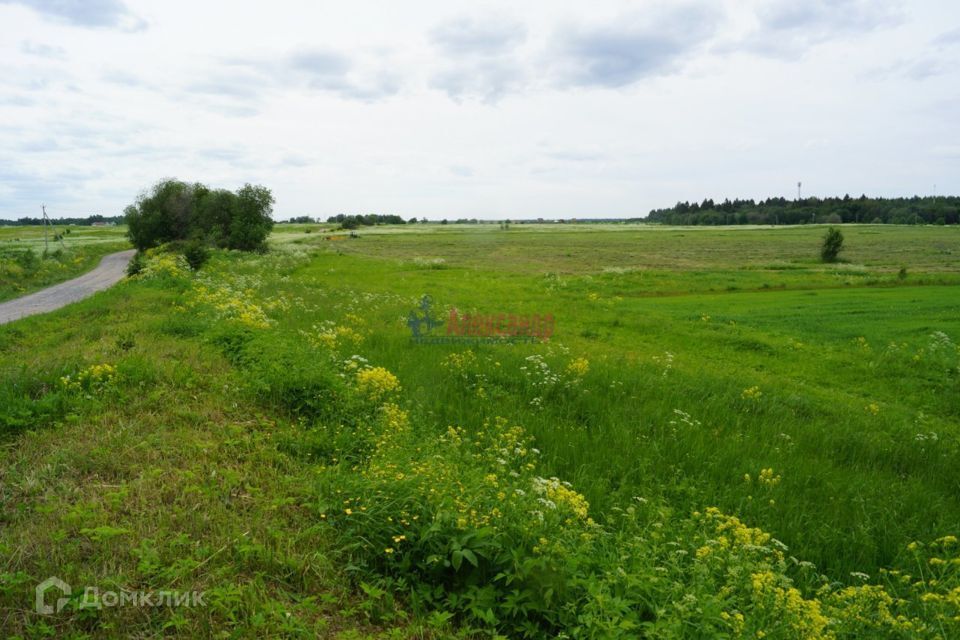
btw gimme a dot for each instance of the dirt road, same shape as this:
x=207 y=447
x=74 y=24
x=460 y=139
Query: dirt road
x=110 y=270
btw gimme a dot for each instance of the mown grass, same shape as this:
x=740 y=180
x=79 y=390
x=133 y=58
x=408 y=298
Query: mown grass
x=250 y=445
x=24 y=268
x=726 y=253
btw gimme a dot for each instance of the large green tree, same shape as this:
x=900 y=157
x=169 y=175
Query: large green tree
x=251 y=221
x=161 y=215
x=174 y=210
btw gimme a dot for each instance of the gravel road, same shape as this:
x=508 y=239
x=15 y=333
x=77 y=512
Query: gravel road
x=110 y=270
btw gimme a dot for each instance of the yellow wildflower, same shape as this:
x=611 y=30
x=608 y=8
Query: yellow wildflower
x=767 y=478
x=751 y=393
x=579 y=367
x=376 y=382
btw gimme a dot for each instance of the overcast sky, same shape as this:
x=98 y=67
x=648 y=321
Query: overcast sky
x=541 y=108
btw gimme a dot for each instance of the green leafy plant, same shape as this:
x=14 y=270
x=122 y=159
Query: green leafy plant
x=136 y=264
x=196 y=253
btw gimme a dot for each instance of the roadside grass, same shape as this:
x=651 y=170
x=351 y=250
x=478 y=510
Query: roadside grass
x=23 y=268
x=161 y=476
x=269 y=434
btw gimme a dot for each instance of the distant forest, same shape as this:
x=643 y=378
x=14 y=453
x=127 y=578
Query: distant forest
x=365 y=220
x=915 y=210
x=77 y=222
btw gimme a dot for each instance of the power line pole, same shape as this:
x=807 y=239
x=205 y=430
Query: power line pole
x=46 y=247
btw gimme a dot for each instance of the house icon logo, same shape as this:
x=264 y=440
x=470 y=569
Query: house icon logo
x=42 y=607
x=422 y=323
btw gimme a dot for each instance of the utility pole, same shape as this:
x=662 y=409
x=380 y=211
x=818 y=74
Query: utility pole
x=43 y=207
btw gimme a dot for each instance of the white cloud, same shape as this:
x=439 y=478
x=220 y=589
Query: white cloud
x=491 y=35
x=786 y=28
x=478 y=57
x=86 y=13
x=948 y=38
x=43 y=50
x=634 y=46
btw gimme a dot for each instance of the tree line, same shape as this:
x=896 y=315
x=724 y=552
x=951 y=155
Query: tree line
x=915 y=210
x=348 y=221
x=76 y=222
x=355 y=221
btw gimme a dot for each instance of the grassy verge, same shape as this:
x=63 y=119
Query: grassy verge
x=134 y=458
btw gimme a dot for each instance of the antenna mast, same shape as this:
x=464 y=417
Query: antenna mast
x=799 y=185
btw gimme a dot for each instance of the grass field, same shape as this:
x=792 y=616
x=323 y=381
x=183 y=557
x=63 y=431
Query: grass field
x=23 y=268
x=266 y=431
x=820 y=356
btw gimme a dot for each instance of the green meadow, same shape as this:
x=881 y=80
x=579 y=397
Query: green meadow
x=766 y=314
x=722 y=438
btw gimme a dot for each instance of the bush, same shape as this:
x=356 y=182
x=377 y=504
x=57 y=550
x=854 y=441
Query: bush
x=135 y=266
x=832 y=245
x=196 y=254
x=173 y=210
x=28 y=260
